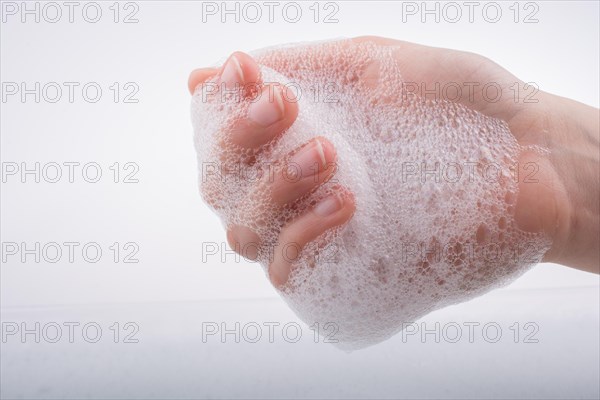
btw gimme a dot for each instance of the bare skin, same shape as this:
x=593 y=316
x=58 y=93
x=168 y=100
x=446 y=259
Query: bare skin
x=563 y=201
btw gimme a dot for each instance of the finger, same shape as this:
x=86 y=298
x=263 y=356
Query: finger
x=273 y=107
x=239 y=70
x=305 y=170
x=243 y=241
x=271 y=112
x=330 y=212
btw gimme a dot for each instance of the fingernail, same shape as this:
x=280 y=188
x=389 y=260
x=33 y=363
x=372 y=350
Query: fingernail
x=329 y=205
x=309 y=160
x=232 y=74
x=268 y=109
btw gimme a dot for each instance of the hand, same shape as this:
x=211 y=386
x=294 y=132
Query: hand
x=552 y=200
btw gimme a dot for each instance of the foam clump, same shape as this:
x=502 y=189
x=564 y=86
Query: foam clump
x=433 y=183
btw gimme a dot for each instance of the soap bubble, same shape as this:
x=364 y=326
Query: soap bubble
x=432 y=180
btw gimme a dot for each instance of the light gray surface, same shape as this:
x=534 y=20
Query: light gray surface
x=171 y=361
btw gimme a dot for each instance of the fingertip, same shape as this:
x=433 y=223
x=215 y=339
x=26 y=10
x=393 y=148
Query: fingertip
x=279 y=275
x=199 y=76
x=290 y=106
x=329 y=154
x=248 y=67
x=243 y=241
x=270 y=114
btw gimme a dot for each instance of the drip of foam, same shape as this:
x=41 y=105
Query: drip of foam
x=418 y=241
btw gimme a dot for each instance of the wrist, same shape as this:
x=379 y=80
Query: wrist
x=572 y=167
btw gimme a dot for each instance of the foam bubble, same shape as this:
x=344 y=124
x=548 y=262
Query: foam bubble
x=432 y=181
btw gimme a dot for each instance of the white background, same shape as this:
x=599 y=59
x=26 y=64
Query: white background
x=163 y=213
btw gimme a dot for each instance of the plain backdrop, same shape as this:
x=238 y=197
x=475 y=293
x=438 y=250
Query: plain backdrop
x=163 y=213
x=175 y=284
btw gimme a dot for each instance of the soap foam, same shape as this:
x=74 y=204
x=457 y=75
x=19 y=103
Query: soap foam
x=416 y=242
